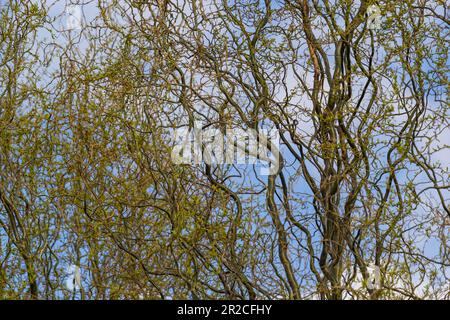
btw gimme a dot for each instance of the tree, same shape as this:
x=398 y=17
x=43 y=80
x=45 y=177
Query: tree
x=88 y=179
